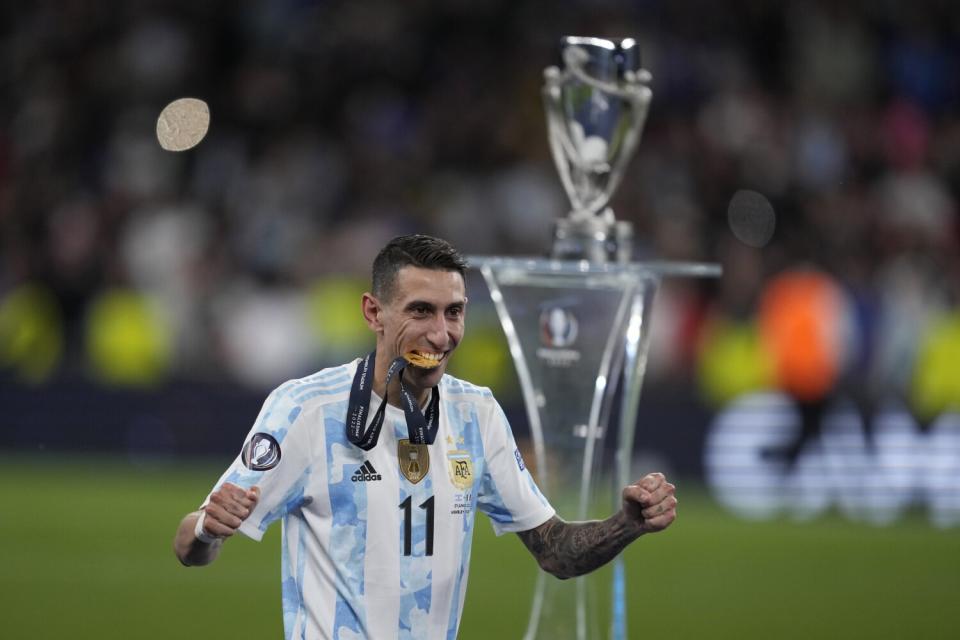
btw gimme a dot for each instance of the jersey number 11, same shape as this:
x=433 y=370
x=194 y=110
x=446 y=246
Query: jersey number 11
x=427 y=506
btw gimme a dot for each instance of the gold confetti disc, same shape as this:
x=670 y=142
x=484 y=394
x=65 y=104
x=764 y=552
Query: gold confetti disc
x=182 y=124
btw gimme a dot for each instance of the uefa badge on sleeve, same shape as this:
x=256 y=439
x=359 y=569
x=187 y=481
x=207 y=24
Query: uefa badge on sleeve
x=261 y=453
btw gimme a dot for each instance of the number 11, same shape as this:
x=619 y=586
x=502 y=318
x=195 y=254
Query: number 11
x=427 y=505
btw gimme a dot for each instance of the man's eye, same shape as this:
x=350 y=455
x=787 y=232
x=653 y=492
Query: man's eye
x=420 y=311
x=455 y=312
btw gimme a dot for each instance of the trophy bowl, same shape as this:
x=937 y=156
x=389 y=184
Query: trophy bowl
x=596 y=106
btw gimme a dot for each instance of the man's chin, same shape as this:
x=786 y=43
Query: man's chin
x=424 y=377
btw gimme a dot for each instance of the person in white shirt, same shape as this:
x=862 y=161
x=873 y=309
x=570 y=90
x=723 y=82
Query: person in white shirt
x=377 y=467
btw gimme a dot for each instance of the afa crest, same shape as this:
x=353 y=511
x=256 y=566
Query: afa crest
x=460 y=468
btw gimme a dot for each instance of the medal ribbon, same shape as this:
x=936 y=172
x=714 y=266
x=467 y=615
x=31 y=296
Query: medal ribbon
x=420 y=429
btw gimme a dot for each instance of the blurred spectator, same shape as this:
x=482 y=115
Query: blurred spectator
x=336 y=125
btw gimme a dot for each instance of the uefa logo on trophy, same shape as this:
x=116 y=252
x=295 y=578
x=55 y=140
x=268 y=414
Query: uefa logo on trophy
x=596 y=107
x=558 y=327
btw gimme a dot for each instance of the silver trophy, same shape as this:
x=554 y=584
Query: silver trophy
x=596 y=107
x=578 y=325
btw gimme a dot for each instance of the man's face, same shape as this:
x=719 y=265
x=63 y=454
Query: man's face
x=425 y=315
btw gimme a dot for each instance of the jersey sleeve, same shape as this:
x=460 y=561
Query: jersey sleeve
x=276 y=458
x=507 y=493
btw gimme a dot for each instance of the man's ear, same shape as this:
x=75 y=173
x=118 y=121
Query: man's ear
x=371 y=309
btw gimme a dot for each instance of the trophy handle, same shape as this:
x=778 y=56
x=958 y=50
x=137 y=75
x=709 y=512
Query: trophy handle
x=561 y=147
x=639 y=99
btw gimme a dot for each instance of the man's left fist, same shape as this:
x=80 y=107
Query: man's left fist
x=651 y=502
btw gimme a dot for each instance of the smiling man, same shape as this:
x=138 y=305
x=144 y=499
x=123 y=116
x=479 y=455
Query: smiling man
x=376 y=469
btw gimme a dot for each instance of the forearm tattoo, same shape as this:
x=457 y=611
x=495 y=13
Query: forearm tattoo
x=571 y=549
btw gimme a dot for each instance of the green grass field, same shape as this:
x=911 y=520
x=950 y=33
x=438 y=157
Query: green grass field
x=87 y=554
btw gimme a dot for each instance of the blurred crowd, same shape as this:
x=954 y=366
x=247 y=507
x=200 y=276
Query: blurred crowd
x=339 y=124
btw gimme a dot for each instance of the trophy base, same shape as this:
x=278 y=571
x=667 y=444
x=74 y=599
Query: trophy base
x=597 y=239
x=579 y=334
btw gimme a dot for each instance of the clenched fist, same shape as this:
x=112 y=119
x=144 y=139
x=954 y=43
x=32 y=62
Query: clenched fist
x=650 y=502
x=228 y=507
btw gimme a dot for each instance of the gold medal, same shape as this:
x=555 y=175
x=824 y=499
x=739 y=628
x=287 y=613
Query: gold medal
x=422 y=360
x=414 y=460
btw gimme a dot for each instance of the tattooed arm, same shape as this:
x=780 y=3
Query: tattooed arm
x=571 y=549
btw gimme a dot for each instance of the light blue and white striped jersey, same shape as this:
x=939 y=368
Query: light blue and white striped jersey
x=367 y=552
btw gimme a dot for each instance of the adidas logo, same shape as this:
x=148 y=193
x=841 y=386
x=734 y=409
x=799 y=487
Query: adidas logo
x=366 y=473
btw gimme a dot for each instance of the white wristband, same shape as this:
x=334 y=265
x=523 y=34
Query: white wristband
x=201 y=533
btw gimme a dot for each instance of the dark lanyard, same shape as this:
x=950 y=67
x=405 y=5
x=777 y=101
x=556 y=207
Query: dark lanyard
x=420 y=429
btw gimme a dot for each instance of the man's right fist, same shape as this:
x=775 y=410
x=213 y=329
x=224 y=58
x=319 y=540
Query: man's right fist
x=228 y=507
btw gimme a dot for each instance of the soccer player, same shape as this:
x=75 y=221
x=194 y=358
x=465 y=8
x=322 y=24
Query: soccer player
x=377 y=467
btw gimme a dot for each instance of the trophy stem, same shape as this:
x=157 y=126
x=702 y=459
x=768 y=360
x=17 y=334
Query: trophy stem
x=537 y=608
x=610 y=366
x=531 y=400
x=636 y=350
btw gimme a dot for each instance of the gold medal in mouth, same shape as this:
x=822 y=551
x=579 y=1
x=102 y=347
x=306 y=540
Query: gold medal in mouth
x=423 y=360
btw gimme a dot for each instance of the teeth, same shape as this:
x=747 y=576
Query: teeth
x=423 y=359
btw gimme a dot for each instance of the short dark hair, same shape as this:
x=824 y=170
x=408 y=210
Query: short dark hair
x=414 y=250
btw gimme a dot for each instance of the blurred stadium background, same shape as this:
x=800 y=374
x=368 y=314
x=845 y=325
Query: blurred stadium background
x=808 y=402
